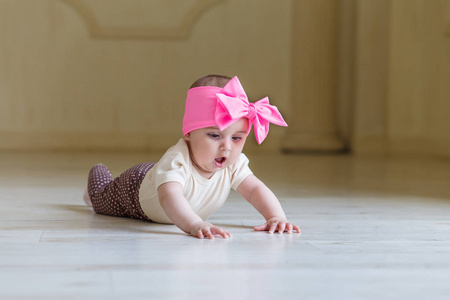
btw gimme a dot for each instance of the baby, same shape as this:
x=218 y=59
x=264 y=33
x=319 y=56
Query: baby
x=193 y=178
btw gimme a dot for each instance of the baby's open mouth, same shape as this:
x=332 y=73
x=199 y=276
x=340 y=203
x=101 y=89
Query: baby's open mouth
x=220 y=161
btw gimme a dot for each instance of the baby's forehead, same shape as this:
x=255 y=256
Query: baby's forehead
x=212 y=128
x=216 y=128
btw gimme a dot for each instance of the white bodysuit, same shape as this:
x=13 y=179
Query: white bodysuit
x=205 y=196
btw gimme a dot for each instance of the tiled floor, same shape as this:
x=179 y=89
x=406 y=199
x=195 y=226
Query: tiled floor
x=372 y=228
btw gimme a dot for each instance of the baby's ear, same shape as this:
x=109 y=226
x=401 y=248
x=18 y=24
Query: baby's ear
x=187 y=137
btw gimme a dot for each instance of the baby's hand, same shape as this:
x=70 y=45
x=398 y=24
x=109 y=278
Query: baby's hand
x=278 y=224
x=204 y=229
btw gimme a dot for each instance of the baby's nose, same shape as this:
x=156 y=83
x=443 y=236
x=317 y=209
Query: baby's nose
x=226 y=146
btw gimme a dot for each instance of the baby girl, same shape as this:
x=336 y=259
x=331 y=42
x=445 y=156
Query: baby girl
x=194 y=177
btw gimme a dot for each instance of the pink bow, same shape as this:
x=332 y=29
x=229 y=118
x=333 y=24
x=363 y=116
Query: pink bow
x=234 y=105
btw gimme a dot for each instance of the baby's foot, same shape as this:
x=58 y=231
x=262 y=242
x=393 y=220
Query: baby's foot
x=86 y=198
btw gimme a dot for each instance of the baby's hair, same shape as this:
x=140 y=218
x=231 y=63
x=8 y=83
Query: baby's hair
x=211 y=80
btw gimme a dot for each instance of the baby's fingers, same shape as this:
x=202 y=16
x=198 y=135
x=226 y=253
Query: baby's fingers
x=208 y=233
x=273 y=227
x=204 y=233
x=223 y=233
x=262 y=227
x=281 y=227
x=200 y=234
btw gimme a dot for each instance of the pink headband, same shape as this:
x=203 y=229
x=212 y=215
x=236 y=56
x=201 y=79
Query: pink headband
x=213 y=106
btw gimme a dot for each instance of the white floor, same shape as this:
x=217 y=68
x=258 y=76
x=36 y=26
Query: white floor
x=372 y=228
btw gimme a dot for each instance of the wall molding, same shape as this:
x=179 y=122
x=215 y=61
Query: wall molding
x=99 y=31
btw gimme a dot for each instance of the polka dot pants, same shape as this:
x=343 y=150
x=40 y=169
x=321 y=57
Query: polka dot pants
x=117 y=197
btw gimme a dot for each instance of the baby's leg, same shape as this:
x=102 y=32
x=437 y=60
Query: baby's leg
x=120 y=196
x=99 y=178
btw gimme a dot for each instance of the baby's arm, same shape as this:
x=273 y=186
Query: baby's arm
x=264 y=200
x=179 y=211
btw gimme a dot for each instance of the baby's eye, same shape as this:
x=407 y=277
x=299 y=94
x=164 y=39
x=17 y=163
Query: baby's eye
x=214 y=135
x=236 y=138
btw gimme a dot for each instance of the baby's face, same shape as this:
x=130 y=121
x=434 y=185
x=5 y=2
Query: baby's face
x=212 y=150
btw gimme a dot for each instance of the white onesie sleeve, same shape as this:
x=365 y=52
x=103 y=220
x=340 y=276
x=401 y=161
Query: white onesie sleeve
x=172 y=167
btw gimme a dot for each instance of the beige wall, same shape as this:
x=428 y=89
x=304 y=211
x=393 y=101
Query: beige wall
x=370 y=76
x=113 y=74
x=402 y=78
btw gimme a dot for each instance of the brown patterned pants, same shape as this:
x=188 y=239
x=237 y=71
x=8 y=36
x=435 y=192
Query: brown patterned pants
x=117 y=197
